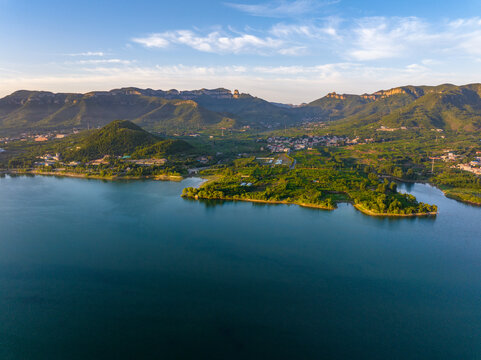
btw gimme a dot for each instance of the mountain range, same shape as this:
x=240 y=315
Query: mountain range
x=447 y=107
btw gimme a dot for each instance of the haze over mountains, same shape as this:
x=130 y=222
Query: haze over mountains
x=447 y=107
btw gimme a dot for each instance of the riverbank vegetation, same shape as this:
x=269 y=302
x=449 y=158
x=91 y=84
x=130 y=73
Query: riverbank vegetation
x=460 y=185
x=319 y=170
x=323 y=187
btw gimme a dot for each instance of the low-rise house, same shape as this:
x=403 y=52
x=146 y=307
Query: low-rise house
x=148 y=162
x=103 y=161
x=468 y=167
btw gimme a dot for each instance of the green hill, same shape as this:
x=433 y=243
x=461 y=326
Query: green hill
x=250 y=110
x=120 y=138
x=451 y=109
x=163 y=148
x=446 y=107
x=117 y=138
x=40 y=111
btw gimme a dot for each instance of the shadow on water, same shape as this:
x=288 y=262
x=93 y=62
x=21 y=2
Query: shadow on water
x=208 y=203
x=87 y=267
x=408 y=186
x=404 y=219
x=212 y=203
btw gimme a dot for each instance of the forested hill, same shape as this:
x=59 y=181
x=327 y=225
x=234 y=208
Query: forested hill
x=120 y=138
x=447 y=107
x=36 y=110
x=154 y=110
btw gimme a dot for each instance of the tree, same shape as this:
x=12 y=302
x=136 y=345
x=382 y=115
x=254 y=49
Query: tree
x=393 y=187
x=398 y=172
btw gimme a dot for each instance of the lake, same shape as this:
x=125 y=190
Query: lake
x=129 y=270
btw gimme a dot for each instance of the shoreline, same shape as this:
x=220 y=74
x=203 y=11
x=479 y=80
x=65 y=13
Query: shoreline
x=371 y=213
x=320 y=207
x=274 y=202
x=440 y=188
x=96 y=177
x=457 y=198
x=207 y=179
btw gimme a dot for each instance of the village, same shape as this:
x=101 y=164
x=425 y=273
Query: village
x=38 y=137
x=473 y=166
x=50 y=160
x=287 y=144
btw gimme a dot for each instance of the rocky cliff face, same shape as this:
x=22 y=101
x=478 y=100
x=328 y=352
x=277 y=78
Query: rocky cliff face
x=381 y=94
x=154 y=109
x=413 y=91
x=38 y=97
x=334 y=95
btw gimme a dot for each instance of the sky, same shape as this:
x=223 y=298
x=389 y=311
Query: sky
x=286 y=51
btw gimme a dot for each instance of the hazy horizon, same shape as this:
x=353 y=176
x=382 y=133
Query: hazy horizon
x=279 y=50
x=232 y=90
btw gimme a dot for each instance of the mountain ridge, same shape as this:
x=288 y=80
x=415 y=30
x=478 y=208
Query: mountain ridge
x=445 y=106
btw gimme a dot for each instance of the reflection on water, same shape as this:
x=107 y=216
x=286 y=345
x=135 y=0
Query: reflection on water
x=92 y=269
x=403 y=187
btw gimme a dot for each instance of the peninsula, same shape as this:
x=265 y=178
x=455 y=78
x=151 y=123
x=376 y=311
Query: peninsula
x=339 y=148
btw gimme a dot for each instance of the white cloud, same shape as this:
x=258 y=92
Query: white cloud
x=283 y=39
x=292 y=84
x=294 y=51
x=88 y=53
x=281 y=8
x=383 y=38
x=153 y=41
x=303 y=30
x=363 y=39
x=411 y=37
x=358 y=55
x=466 y=34
x=103 y=61
x=215 y=42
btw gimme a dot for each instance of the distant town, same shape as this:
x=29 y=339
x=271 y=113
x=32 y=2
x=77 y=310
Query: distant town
x=38 y=136
x=287 y=144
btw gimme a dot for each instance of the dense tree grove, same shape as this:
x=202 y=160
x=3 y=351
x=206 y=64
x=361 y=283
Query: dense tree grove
x=363 y=172
x=320 y=187
x=460 y=185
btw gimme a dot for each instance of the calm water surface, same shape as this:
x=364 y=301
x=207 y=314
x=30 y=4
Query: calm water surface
x=92 y=269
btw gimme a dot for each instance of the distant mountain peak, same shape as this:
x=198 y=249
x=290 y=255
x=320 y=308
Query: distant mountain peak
x=381 y=94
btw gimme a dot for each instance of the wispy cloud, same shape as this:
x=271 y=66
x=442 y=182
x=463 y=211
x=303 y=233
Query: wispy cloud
x=362 y=39
x=353 y=55
x=467 y=35
x=280 y=8
x=411 y=37
x=306 y=30
x=153 y=41
x=88 y=53
x=215 y=42
x=103 y=61
x=294 y=83
x=382 y=38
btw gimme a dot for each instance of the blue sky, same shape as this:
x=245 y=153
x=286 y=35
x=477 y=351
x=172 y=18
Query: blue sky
x=289 y=51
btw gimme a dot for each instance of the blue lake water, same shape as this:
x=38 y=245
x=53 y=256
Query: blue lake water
x=114 y=270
